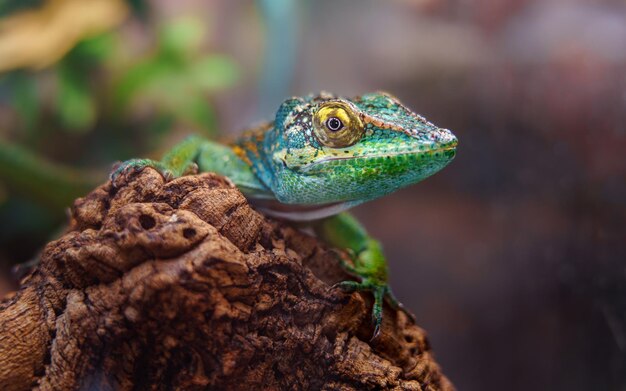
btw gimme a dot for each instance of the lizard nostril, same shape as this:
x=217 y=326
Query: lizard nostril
x=446 y=138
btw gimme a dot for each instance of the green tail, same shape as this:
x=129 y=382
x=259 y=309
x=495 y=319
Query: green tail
x=36 y=178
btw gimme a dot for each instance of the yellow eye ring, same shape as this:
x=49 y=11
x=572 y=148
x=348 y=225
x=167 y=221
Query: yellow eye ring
x=336 y=125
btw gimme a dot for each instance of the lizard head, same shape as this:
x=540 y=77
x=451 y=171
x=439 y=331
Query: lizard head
x=327 y=149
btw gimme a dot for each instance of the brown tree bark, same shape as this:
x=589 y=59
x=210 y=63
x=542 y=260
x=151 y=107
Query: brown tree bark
x=181 y=285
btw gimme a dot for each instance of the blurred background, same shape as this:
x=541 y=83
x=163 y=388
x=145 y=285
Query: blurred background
x=513 y=258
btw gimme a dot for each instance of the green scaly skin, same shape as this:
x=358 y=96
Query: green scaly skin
x=304 y=167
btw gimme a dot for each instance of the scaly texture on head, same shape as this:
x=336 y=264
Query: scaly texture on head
x=326 y=149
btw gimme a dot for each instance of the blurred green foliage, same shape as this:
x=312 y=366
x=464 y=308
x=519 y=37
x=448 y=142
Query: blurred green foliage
x=8 y=6
x=110 y=97
x=177 y=76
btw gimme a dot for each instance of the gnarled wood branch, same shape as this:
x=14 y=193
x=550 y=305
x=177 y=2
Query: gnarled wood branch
x=181 y=285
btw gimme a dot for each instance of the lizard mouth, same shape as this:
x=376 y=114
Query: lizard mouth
x=446 y=152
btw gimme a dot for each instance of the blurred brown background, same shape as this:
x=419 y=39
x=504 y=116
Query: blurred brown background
x=513 y=258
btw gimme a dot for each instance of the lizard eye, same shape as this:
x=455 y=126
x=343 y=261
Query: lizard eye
x=337 y=125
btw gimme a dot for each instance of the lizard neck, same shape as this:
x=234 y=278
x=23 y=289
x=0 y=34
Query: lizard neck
x=250 y=148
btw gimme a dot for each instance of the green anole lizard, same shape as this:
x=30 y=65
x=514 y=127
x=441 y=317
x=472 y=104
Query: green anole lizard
x=320 y=156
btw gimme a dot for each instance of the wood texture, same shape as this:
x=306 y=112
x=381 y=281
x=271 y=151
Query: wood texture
x=181 y=285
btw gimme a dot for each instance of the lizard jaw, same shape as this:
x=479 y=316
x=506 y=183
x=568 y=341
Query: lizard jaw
x=449 y=150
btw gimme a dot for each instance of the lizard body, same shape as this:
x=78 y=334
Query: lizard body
x=320 y=156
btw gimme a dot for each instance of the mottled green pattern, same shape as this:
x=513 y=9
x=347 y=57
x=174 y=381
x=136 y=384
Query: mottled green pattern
x=399 y=148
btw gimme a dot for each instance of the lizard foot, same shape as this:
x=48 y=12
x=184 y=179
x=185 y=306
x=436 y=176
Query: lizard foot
x=379 y=291
x=137 y=165
x=346 y=260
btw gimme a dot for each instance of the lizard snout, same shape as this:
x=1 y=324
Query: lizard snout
x=445 y=138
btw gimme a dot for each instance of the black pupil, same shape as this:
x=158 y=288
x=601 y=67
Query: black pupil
x=334 y=124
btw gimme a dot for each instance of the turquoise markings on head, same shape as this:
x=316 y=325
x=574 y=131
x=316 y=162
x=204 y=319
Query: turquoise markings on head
x=325 y=149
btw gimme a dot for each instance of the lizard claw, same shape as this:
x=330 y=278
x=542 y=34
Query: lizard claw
x=376 y=332
x=124 y=168
x=379 y=292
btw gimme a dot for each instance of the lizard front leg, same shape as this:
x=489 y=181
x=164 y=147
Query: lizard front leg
x=368 y=262
x=175 y=163
x=195 y=153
